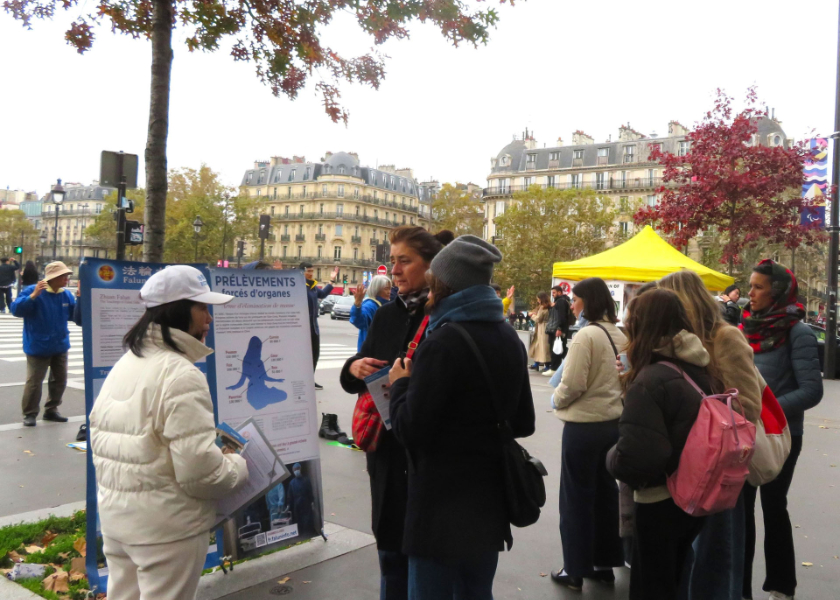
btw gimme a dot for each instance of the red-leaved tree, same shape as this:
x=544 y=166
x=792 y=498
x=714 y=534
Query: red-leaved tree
x=731 y=184
x=283 y=38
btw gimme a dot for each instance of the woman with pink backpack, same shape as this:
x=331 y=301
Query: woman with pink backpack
x=660 y=408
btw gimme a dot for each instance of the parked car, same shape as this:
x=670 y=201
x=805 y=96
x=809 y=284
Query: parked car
x=341 y=308
x=327 y=304
x=820 y=333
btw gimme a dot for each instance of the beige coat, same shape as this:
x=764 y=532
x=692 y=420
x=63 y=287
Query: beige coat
x=734 y=360
x=590 y=391
x=539 y=350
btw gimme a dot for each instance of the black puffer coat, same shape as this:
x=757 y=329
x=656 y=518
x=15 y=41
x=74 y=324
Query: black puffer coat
x=389 y=335
x=659 y=410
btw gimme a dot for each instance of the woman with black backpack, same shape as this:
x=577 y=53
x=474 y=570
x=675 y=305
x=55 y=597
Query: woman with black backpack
x=660 y=408
x=444 y=411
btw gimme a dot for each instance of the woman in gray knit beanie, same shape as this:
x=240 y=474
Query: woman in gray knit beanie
x=443 y=411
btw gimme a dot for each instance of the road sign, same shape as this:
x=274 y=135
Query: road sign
x=133 y=233
x=265 y=224
x=382 y=270
x=113 y=166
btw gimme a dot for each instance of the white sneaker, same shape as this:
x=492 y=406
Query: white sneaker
x=779 y=596
x=548 y=373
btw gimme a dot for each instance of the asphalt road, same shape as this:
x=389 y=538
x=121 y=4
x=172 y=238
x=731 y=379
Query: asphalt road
x=51 y=474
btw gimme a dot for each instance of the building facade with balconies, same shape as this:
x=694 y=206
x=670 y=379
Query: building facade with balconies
x=620 y=170
x=81 y=205
x=334 y=212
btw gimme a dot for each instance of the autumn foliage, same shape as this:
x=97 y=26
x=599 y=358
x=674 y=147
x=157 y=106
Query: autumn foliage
x=731 y=186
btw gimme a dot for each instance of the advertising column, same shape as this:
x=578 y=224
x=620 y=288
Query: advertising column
x=263 y=372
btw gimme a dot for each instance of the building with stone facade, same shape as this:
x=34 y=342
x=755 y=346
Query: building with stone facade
x=81 y=205
x=334 y=212
x=620 y=170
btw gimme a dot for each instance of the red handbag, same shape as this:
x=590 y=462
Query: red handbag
x=367 y=425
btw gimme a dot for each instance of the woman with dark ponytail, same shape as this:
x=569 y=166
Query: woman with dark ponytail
x=394 y=327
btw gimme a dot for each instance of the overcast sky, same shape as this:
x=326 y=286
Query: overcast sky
x=551 y=65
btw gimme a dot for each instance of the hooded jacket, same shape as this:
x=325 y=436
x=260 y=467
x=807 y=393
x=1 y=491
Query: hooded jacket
x=660 y=408
x=590 y=391
x=45 y=317
x=152 y=433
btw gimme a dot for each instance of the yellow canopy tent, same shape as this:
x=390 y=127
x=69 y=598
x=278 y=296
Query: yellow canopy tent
x=644 y=257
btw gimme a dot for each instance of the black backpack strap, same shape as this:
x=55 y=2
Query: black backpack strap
x=609 y=337
x=504 y=424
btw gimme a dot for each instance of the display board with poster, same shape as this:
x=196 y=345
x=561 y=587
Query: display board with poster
x=621 y=291
x=110 y=302
x=263 y=372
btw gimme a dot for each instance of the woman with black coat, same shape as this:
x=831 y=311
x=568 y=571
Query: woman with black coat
x=393 y=328
x=660 y=408
x=442 y=410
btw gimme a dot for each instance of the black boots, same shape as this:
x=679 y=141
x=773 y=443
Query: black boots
x=329 y=428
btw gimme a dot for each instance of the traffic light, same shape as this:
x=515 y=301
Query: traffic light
x=345 y=279
x=240 y=248
x=18 y=249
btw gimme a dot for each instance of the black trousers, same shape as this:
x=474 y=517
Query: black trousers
x=779 y=554
x=556 y=359
x=664 y=533
x=5 y=297
x=316 y=349
x=588 y=499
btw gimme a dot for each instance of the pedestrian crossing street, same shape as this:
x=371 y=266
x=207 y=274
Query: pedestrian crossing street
x=332 y=356
x=11 y=344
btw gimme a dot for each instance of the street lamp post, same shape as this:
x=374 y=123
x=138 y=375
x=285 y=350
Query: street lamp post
x=43 y=242
x=84 y=208
x=197 y=225
x=57 y=197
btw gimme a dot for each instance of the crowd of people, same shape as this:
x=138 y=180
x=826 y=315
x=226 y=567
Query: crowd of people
x=628 y=394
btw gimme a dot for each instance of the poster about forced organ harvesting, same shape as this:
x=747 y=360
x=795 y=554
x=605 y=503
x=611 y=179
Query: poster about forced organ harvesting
x=263 y=371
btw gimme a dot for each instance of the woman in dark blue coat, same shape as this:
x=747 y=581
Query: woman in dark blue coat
x=786 y=355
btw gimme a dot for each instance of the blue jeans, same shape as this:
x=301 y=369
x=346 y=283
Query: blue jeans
x=393 y=569
x=717 y=569
x=469 y=579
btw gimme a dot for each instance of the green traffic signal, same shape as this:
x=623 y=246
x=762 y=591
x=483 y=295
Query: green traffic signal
x=18 y=249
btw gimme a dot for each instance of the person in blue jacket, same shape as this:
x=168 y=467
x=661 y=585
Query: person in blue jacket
x=315 y=294
x=367 y=303
x=45 y=308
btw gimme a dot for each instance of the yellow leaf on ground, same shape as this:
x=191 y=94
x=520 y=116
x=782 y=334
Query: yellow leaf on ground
x=283 y=580
x=80 y=546
x=48 y=537
x=76 y=576
x=307 y=582
x=543 y=574
x=78 y=565
x=57 y=582
x=33 y=549
x=807 y=564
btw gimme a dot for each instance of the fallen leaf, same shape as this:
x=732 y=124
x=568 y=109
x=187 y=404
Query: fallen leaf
x=283 y=580
x=833 y=465
x=543 y=574
x=307 y=582
x=76 y=576
x=807 y=564
x=64 y=555
x=823 y=427
x=837 y=557
x=57 y=582
x=797 y=526
x=48 y=537
x=15 y=557
x=28 y=452
x=78 y=565
x=332 y=514
x=80 y=546
x=33 y=549
x=20 y=486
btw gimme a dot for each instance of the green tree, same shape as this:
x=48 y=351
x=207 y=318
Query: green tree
x=192 y=193
x=283 y=39
x=457 y=210
x=15 y=230
x=544 y=226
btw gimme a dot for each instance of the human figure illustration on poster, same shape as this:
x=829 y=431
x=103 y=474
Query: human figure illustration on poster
x=258 y=394
x=301 y=501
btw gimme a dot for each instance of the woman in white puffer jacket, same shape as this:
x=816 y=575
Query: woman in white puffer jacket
x=152 y=432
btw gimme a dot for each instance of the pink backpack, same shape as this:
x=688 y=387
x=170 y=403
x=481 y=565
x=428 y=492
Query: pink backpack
x=715 y=461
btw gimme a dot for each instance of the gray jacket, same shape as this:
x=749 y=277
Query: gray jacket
x=793 y=374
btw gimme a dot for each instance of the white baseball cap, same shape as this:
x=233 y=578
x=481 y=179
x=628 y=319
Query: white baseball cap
x=179 y=282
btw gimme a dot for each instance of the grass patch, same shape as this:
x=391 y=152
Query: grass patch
x=36 y=587
x=12 y=537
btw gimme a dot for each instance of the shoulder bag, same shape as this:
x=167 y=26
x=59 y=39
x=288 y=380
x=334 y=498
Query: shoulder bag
x=524 y=485
x=367 y=426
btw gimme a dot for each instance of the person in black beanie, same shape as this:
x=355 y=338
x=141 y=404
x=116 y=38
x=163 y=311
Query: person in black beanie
x=443 y=412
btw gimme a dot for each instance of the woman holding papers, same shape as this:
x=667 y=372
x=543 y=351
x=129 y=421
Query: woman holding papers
x=394 y=326
x=159 y=471
x=446 y=405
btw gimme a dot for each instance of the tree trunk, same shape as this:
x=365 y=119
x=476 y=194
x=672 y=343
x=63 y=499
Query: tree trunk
x=731 y=233
x=156 y=169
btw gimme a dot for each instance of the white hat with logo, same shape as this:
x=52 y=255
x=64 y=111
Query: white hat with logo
x=179 y=282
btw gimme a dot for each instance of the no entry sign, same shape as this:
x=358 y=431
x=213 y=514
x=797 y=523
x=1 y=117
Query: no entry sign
x=382 y=270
